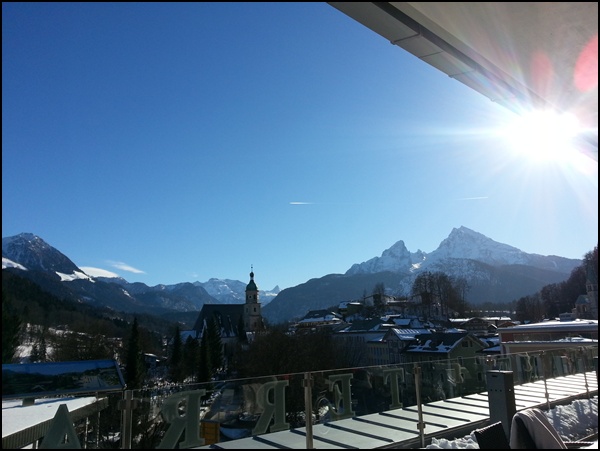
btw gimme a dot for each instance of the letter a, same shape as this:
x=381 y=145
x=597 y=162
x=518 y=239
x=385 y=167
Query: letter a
x=61 y=434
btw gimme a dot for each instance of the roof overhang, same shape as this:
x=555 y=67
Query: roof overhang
x=525 y=56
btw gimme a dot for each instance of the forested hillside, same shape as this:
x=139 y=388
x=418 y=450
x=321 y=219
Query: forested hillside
x=27 y=303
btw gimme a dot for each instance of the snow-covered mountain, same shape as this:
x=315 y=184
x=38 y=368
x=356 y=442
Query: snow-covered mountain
x=228 y=291
x=462 y=244
x=49 y=267
x=395 y=259
x=495 y=272
x=29 y=251
x=31 y=257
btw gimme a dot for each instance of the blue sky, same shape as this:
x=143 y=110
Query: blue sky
x=177 y=142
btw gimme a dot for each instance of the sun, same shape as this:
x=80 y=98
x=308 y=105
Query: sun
x=543 y=136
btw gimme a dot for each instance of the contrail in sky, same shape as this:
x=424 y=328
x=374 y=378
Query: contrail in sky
x=473 y=198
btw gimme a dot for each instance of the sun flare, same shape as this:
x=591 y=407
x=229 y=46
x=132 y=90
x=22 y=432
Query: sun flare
x=543 y=135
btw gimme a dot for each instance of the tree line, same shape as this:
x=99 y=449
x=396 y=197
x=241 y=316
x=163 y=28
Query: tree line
x=557 y=298
x=65 y=330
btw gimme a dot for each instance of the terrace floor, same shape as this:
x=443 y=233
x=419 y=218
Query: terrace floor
x=396 y=429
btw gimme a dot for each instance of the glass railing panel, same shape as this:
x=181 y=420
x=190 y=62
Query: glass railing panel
x=371 y=394
x=234 y=409
x=452 y=378
x=356 y=392
x=195 y=414
x=537 y=365
x=177 y=415
x=103 y=429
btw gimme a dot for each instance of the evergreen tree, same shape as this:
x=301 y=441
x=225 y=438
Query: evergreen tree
x=378 y=297
x=11 y=328
x=239 y=347
x=134 y=366
x=241 y=331
x=39 y=349
x=191 y=357
x=176 y=361
x=590 y=261
x=204 y=366
x=215 y=345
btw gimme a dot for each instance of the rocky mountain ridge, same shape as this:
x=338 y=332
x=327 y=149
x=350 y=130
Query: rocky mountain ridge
x=495 y=272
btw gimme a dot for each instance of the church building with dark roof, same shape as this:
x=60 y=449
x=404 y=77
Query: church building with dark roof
x=233 y=319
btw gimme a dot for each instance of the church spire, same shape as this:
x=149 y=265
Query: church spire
x=252 y=316
x=251 y=288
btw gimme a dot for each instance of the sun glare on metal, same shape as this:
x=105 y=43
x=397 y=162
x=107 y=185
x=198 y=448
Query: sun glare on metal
x=543 y=135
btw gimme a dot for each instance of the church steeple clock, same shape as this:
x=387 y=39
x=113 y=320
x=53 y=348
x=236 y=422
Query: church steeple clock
x=252 y=314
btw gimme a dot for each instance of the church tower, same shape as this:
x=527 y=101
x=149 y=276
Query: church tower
x=252 y=314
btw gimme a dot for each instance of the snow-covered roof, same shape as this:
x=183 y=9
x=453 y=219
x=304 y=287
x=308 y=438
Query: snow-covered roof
x=442 y=342
x=408 y=334
x=20 y=423
x=554 y=324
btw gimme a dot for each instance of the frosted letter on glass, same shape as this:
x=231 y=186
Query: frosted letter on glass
x=61 y=434
x=189 y=422
x=275 y=409
x=397 y=375
x=341 y=397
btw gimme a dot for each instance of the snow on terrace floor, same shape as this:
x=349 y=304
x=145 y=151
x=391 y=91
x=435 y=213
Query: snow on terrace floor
x=573 y=422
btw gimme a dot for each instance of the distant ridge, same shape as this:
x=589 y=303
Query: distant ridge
x=495 y=272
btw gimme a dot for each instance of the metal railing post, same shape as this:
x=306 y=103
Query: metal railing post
x=308 y=383
x=585 y=369
x=126 y=405
x=543 y=360
x=420 y=423
x=501 y=397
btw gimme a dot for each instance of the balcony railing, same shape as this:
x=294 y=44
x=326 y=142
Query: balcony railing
x=194 y=415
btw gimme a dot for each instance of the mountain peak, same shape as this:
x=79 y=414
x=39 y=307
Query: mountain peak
x=395 y=259
x=494 y=272
x=468 y=244
x=34 y=253
x=461 y=244
x=21 y=239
